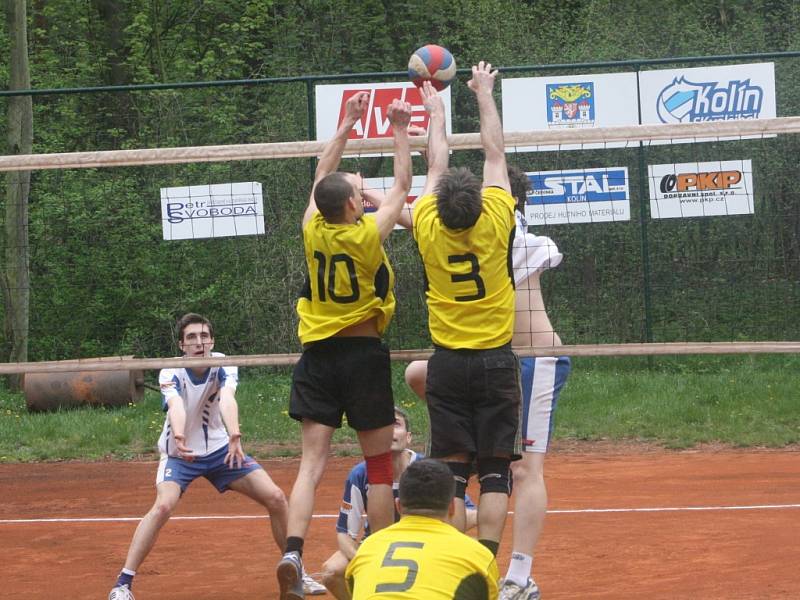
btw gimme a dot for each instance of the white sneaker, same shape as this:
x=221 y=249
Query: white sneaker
x=511 y=591
x=312 y=587
x=121 y=592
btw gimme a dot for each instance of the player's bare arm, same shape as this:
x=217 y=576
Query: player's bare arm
x=399 y=114
x=355 y=107
x=229 y=411
x=177 y=422
x=406 y=215
x=438 y=155
x=495 y=173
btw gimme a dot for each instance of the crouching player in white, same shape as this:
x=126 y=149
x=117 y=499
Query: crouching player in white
x=352 y=520
x=200 y=438
x=542 y=380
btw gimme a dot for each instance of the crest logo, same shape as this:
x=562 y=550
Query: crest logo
x=570 y=105
x=684 y=101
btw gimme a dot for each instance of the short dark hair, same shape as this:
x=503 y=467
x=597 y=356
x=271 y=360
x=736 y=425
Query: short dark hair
x=331 y=193
x=404 y=413
x=426 y=486
x=520 y=185
x=458 y=198
x=190 y=319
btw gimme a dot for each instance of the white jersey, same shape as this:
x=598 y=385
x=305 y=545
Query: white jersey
x=205 y=432
x=531 y=253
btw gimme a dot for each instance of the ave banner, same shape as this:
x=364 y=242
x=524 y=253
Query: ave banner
x=330 y=109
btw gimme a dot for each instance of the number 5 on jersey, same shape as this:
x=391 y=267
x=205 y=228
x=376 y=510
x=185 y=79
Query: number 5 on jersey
x=411 y=566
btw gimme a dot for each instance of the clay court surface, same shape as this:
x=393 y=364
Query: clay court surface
x=625 y=523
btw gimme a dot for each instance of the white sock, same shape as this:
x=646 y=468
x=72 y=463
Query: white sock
x=519 y=569
x=128 y=572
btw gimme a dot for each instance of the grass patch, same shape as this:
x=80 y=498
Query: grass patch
x=675 y=402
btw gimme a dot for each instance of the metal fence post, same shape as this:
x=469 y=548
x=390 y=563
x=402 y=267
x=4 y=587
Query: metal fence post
x=648 y=316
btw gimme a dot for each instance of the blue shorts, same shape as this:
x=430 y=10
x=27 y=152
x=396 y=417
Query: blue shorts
x=211 y=466
x=542 y=380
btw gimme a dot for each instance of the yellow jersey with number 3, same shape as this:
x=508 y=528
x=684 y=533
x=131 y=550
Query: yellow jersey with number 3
x=349 y=278
x=422 y=558
x=469 y=273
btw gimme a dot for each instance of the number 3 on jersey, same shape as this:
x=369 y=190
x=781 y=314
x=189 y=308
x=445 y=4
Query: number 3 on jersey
x=472 y=275
x=411 y=566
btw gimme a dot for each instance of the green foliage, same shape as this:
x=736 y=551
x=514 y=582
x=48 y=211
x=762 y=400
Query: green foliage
x=104 y=282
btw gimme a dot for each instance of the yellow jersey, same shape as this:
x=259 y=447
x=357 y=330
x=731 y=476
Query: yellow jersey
x=422 y=558
x=469 y=273
x=349 y=278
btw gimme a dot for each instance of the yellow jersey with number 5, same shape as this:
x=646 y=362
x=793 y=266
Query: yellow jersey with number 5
x=469 y=273
x=349 y=278
x=422 y=557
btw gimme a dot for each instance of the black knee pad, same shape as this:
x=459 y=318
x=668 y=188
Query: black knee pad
x=494 y=475
x=461 y=473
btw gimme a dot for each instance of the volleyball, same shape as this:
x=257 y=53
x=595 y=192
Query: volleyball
x=432 y=63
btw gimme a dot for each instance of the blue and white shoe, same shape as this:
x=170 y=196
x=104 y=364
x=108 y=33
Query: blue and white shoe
x=512 y=591
x=121 y=592
x=290 y=577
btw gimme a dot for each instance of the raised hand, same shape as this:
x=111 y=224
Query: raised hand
x=431 y=99
x=399 y=114
x=482 y=77
x=356 y=106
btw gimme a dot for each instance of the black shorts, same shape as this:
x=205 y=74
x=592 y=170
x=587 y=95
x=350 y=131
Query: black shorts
x=474 y=403
x=344 y=375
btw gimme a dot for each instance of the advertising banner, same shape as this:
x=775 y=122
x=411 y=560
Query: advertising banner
x=210 y=211
x=701 y=189
x=330 y=109
x=569 y=102
x=578 y=196
x=696 y=95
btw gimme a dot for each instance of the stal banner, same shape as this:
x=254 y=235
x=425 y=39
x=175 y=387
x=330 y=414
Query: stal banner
x=578 y=196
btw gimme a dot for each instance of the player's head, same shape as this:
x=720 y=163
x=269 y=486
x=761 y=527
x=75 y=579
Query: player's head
x=458 y=198
x=338 y=194
x=401 y=437
x=195 y=335
x=520 y=185
x=427 y=488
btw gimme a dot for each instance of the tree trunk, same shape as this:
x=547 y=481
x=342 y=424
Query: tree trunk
x=16 y=273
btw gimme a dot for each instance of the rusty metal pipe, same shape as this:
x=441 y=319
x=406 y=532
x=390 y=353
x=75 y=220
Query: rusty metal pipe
x=51 y=391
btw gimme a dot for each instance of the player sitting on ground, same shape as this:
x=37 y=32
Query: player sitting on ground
x=422 y=556
x=347 y=304
x=351 y=520
x=200 y=438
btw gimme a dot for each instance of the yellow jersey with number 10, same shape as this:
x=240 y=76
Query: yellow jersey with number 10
x=469 y=273
x=349 y=278
x=422 y=558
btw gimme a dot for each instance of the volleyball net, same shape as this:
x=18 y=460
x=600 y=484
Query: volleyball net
x=677 y=239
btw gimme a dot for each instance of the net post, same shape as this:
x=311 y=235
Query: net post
x=643 y=237
x=312 y=124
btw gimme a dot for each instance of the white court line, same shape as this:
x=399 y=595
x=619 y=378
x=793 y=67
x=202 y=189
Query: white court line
x=336 y=516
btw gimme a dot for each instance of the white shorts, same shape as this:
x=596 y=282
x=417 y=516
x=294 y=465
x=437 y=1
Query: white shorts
x=542 y=380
